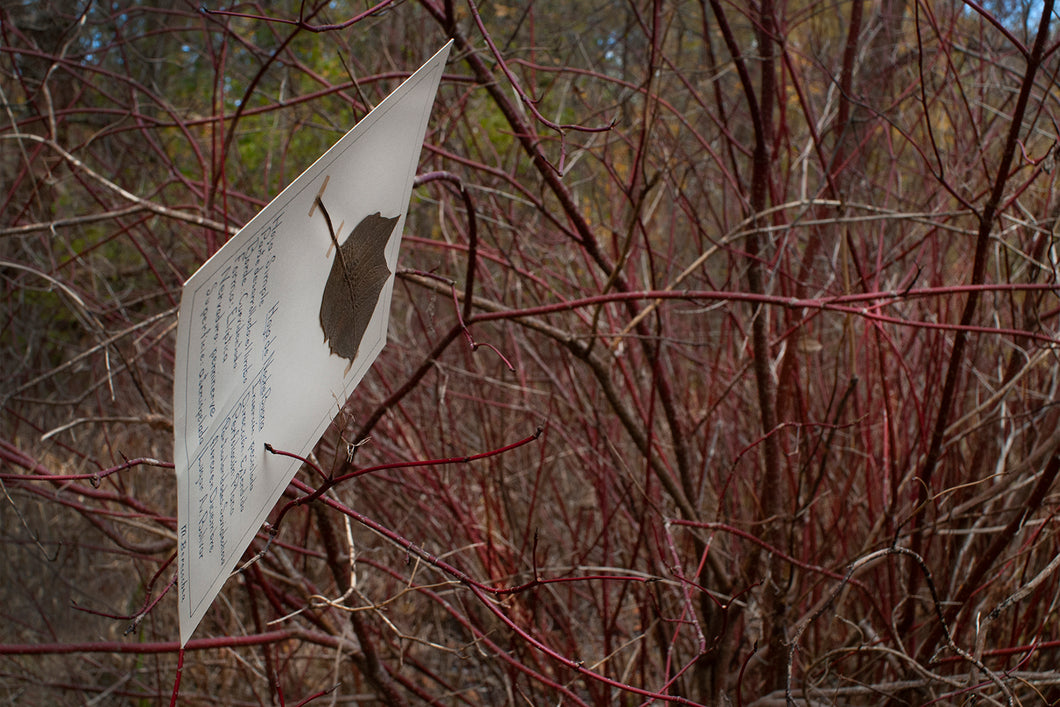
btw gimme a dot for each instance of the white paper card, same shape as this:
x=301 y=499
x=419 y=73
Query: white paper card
x=253 y=365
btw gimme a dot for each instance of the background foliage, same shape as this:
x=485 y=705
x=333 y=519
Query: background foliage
x=777 y=281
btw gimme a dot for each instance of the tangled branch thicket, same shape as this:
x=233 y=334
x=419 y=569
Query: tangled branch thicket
x=777 y=281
